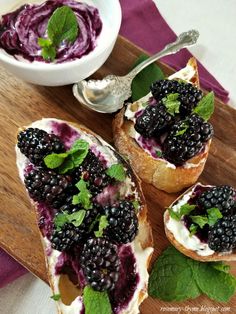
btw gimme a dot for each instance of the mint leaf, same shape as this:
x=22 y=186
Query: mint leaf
x=56 y=297
x=96 y=302
x=136 y=205
x=185 y=209
x=48 y=50
x=214 y=215
x=79 y=145
x=53 y=161
x=172 y=278
x=216 y=284
x=183 y=128
x=77 y=218
x=158 y=153
x=67 y=165
x=172 y=103
x=201 y=221
x=60 y=220
x=103 y=223
x=62 y=25
x=193 y=229
x=84 y=195
x=117 y=172
x=141 y=83
x=205 y=107
x=44 y=42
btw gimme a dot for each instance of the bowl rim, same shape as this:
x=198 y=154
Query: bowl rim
x=41 y=66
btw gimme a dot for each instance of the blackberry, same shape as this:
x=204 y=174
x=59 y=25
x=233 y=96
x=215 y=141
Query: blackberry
x=35 y=144
x=222 y=197
x=100 y=263
x=189 y=95
x=186 y=139
x=93 y=171
x=70 y=235
x=154 y=120
x=123 y=222
x=222 y=236
x=48 y=186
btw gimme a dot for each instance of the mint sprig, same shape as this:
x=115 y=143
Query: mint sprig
x=205 y=107
x=75 y=218
x=69 y=160
x=55 y=297
x=176 y=277
x=96 y=302
x=116 y=172
x=103 y=223
x=184 y=210
x=84 y=196
x=62 y=26
x=172 y=103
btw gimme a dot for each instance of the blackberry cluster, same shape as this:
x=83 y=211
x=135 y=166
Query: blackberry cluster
x=100 y=263
x=154 y=121
x=189 y=95
x=180 y=146
x=70 y=235
x=222 y=197
x=123 y=222
x=35 y=144
x=48 y=186
x=222 y=236
x=92 y=171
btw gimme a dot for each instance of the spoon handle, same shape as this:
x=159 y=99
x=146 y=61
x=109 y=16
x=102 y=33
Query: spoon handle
x=183 y=40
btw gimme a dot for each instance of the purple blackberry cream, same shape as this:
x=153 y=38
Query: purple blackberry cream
x=86 y=214
x=21 y=29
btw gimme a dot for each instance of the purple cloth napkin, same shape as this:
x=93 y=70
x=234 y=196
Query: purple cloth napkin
x=9 y=269
x=143 y=25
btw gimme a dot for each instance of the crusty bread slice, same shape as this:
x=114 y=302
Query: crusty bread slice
x=157 y=171
x=190 y=253
x=143 y=240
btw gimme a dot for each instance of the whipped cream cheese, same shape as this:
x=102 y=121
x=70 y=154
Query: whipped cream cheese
x=186 y=74
x=182 y=234
x=141 y=255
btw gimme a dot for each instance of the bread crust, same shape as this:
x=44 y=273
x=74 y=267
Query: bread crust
x=157 y=171
x=190 y=253
x=145 y=232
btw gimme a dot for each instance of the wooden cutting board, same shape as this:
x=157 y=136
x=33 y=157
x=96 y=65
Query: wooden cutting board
x=22 y=103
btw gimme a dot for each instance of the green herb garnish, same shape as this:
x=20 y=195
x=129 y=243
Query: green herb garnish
x=159 y=153
x=214 y=214
x=184 y=210
x=69 y=160
x=75 y=218
x=176 y=277
x=117 y=172
x=84 y=196
x=201 y=221
x=136 y=205
x=183 y=128
x=103 y=223
x=205 y=107
x=142 y=82
x=56 y=297
x=193 y=229
x=96 y=302
x=171 y=103
x=62 y=26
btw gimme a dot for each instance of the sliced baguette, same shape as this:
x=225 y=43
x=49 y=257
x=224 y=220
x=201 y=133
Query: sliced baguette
x=159 y=172
x=231 y=256
x=143 y=242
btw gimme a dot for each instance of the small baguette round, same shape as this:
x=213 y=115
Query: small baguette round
x=144 y=236
x=155 y=171
x=190 y=253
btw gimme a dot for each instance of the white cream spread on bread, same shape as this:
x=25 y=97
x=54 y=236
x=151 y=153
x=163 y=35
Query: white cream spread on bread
x=181 y=232
x=141 y=255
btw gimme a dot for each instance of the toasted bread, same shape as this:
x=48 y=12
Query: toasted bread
x=160 y=173
x=71 y=297
x=215 y=256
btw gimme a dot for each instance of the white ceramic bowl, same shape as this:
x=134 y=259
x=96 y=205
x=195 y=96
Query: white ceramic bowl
x=72 y=71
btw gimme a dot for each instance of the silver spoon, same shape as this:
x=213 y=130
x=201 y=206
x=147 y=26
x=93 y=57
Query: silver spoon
x=108 y=95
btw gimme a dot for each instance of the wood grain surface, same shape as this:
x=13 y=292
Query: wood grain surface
x=22 y=103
